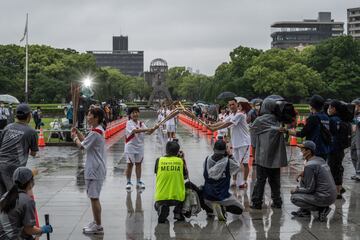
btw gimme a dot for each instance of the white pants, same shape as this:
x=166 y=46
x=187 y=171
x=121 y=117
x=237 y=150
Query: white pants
x=241 y=154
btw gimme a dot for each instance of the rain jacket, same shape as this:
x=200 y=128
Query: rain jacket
x=318 y=181
x=268 y=141
x=216 y=166
x=218 y=170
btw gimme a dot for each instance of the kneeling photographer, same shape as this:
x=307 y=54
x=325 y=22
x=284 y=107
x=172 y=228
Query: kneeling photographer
x=170 y=173
x=269 y=148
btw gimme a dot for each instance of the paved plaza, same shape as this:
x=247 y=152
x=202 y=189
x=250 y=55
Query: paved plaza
x=60 y=192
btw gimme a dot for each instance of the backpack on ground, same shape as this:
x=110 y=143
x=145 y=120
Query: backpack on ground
x=191 y=205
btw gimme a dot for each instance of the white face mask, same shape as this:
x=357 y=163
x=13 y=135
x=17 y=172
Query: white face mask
x=328 y=111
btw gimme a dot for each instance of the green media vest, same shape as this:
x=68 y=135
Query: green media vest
x=170 y=179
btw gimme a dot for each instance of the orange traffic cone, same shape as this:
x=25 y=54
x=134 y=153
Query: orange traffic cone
x=204 y=129
x=293 y=141
x=251 y=159
x=215 y=135
x=41 y=142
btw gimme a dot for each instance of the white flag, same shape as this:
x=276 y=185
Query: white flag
x=26 y=29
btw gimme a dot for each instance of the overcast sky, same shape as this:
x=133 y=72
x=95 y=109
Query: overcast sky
x=194 y=33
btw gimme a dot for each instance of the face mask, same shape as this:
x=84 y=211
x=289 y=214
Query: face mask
x=328 y=111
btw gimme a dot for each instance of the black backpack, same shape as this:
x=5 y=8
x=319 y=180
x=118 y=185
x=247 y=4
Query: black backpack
x=343 y=134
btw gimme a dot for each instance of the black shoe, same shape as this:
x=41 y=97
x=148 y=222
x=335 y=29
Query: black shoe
x=339 y=196
x=276 y=205
x=179 y=217
x=163 y=213
x=323 y=213
x=301 y=213
x=342 y=191
x=256 y=206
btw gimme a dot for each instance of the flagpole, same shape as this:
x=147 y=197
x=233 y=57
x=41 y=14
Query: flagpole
x=26 y=62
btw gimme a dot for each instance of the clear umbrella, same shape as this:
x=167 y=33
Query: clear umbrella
x=6 y=98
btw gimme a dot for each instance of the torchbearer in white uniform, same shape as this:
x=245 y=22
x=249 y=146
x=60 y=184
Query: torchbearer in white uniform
x=240 y=139
x=170 y=125
x=134 y=146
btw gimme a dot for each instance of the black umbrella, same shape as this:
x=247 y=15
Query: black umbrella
x=226 y=95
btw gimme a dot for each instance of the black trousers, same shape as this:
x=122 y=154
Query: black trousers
x=335 y=163
x=272 y=175
x=168 y=203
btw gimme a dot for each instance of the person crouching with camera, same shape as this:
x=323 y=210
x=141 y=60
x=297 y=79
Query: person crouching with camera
x=171 y=173
x=270 y=154
x=218 y=169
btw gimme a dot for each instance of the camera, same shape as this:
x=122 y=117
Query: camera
x=284 y=111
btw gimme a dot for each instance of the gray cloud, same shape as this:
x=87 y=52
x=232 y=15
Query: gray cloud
x=195 y=33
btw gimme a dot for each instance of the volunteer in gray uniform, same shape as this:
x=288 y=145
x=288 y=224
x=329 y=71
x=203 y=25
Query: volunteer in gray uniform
x=317 y=190
x=16 y=142
x=17 y=209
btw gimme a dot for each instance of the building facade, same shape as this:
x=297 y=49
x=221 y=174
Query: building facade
x=288 y=34
x=353 y=25
x=128 y=62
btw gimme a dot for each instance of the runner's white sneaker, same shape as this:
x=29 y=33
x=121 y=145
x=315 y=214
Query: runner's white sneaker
x=94 y=229
x=129 y=186
x=140 y=185
x=89 y=225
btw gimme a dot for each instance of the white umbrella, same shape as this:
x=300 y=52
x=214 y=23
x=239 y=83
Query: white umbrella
x=241 y=100
x=8 y=99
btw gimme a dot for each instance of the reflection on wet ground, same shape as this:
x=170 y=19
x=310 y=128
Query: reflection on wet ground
x=60 y=192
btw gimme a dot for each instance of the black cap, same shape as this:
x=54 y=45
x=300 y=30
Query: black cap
x=23 y=109
x=308 y=145
x=317 y=102
x=220 y=146
x=22 y=175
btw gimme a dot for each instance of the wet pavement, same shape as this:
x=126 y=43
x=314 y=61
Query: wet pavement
x=60 y=192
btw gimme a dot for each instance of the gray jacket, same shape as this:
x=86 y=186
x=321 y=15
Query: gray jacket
x=269 y=143
x=318 y=181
